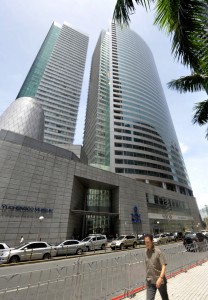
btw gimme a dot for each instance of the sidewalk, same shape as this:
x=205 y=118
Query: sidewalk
x=191 y=285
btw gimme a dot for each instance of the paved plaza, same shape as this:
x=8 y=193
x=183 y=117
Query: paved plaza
x=190 y=285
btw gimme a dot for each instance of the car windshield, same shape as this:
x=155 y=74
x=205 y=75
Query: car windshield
x=190 y=235
x=157 y=236
x=22 y=245
x=121 y=237
x=86 y=239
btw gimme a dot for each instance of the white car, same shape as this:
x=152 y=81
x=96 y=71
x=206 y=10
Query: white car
x=71 y=247
x=28 y=251
x=205 y=232
x=160 y=239
x=4 y=246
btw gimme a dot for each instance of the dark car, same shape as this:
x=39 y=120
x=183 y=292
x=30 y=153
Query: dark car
x=178 y=236
x=140 y=239
x=195 y=242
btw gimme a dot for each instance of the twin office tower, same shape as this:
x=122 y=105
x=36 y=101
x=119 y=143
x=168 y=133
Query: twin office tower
x=128 y=127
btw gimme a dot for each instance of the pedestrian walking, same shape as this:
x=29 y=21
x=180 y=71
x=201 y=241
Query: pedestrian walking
x=155 y=270
x=21 y=240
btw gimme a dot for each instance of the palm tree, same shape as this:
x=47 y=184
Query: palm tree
x=186 y=22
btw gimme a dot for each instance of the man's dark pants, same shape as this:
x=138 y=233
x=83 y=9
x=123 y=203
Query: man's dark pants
x=151 y=291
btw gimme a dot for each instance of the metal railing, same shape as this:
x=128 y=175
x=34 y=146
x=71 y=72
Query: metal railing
x=95 y=278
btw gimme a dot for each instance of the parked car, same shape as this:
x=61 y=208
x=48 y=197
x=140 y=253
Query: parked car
x=140 y=240
x=28 y=251
x=71 y=247
x=4 y=246
x=189 y=240
x=95 y=242
x=195 y=242
x=178 y=236
x=124 y=241
x=168 y=236
x=160 y=239
x=172 y=237
x=205 y=232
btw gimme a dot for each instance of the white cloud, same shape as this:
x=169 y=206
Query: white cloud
x=184 y=147
x=196 y=167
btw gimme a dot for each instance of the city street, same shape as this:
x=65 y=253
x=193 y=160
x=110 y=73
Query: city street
x=61 y=261
x=92 y=276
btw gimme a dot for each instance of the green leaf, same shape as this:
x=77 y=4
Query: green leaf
x=124 y=8
x=201 y=113
x=192 y=83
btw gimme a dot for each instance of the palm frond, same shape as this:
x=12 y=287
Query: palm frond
x=192 y=83
x=186 y=23
x=124 y=8
x=206 y=134
x=201 y=113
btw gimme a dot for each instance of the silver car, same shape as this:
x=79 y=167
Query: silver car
x=124 y=241
x=71 y=247
x=95 y=242
x=28 y=251
x=160 y=239
x=4 y=246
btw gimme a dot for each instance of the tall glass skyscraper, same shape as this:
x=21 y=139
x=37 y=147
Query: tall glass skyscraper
x=55 y=79
x=128 y=126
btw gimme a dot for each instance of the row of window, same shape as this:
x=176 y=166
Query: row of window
x=166 y=202
x=128 y=138
x=142 y=172
x=141 y=163
x=142 y=155
x=138 y=134
x=132 y=146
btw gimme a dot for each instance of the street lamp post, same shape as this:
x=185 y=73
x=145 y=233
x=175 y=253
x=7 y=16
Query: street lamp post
x=41 y=218
x=158 y=222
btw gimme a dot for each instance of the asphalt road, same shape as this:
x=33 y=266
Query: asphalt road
x=61 y=261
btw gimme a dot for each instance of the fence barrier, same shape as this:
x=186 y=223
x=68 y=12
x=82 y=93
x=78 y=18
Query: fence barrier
x=104 y=277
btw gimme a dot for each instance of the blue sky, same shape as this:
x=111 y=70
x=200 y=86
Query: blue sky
x=24 y=25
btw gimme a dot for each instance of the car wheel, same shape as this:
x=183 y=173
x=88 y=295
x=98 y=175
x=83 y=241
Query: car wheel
x=134 y=245
x=113 y=248
x=122 y=247
x=14 y=259
x=79 y=251
x=103 y=247
x=46 y=256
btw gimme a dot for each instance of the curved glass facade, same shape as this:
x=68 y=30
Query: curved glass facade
x=24 y=116
x=143 y=143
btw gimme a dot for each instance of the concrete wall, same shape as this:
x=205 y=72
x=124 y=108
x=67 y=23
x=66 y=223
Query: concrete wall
x=37 y=175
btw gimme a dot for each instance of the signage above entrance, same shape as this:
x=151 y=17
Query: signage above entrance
x=26 y=208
